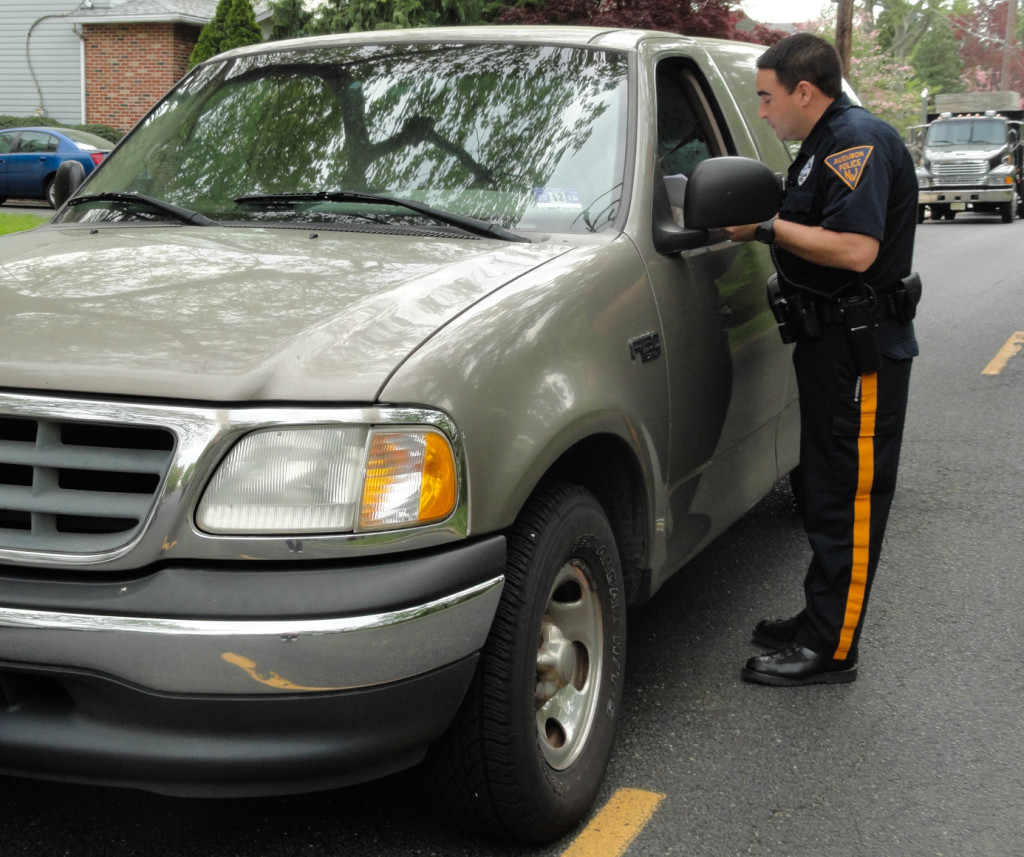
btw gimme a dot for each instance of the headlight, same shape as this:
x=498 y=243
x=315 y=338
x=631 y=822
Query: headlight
x=331 y=480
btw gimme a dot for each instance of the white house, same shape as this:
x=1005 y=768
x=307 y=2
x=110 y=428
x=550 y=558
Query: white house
x=71 y=59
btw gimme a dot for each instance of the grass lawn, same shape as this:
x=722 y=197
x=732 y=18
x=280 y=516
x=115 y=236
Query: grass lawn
x=20 y=222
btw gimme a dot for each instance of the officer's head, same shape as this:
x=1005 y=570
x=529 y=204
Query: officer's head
x=797 y=79
x=805 y=57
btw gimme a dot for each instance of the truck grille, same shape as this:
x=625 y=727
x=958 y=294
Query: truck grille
x=970 y=173
x=76 y=487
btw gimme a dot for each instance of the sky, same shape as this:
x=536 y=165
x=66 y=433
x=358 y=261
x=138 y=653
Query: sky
x=785 y=11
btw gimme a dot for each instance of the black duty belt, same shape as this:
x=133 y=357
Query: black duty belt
x=829 y=312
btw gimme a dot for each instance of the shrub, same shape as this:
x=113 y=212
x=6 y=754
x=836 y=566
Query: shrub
x=104 y=131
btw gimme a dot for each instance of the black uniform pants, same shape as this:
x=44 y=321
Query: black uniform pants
x=851 y=429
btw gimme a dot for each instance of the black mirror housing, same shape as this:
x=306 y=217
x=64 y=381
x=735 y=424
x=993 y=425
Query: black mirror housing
x=731 y=191
x=69 y=178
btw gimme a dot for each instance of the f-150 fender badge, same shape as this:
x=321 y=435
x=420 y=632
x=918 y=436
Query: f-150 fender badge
x=646 y=347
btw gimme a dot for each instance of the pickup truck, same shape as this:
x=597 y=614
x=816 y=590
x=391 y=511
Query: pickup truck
x=348 y=404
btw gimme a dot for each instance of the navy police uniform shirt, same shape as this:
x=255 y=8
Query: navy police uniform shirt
x=854 y=174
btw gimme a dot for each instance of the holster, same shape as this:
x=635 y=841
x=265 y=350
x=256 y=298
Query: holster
x=795 y=315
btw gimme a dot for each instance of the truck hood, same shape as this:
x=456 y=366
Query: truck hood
x=233 y=314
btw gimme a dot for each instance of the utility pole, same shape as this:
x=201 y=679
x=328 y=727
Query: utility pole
x=1011 y=27
x=844 y=34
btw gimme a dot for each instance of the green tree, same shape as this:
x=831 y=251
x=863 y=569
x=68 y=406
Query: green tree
x=233 y=26
x=344 y=16
x=289 y=19
x=936 y=60
x=901 y=24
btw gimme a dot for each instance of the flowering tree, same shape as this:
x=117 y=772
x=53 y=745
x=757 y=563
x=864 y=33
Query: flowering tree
x=885 y=85
x=984 y=54
x=694 y=17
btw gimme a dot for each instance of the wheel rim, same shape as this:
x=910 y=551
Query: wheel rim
x=570 y=655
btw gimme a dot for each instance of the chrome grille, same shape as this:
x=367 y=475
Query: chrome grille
x=77 y=487
x=960 y=173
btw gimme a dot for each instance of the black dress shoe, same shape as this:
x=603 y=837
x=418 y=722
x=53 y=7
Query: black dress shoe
x=777 y=633
x=796 y=665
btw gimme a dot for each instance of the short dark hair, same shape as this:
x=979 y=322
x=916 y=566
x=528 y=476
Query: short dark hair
x=805 y=57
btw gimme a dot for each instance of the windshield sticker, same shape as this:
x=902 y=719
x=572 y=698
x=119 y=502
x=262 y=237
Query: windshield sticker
x=557 y=197
x=849 y=164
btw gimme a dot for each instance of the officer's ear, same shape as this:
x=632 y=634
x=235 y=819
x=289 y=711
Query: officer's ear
x=804 y=90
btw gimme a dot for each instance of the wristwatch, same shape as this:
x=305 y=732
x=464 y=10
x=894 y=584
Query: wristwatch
x=765 y=233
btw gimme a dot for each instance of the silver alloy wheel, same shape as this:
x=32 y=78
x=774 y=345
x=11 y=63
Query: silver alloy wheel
x=569 y=658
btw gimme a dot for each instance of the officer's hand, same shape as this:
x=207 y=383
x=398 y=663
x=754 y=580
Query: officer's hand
x=740 y=233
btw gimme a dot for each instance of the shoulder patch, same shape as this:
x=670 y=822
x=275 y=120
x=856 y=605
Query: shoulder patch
x=849 y=164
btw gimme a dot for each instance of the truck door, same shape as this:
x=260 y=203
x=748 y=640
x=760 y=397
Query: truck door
x=729 y=373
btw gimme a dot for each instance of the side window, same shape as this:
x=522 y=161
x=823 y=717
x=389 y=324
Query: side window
x=34 y=142
x=6 y=142
x=687 y=133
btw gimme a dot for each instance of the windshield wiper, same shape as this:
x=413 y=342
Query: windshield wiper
x=194 y=218
x=469 y=224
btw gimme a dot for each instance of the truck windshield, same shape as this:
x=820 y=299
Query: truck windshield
x=528 y=137
x=967 y=132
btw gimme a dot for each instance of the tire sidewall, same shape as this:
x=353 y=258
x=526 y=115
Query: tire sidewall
x=558 y=798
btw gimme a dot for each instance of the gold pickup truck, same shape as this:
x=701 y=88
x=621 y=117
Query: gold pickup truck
x=349 y=402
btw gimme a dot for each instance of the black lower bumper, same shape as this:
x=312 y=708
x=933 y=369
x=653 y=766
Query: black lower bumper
x=87 y=729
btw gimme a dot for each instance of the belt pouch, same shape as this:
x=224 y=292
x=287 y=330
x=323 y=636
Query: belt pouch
x=859 y=316
x=906 y=298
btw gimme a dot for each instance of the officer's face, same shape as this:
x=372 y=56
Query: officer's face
x=784 y=111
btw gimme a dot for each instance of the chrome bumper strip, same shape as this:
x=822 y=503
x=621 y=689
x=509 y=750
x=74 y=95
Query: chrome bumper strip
x=275 y=656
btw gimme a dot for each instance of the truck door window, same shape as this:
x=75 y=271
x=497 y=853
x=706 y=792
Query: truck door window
x=687 y=133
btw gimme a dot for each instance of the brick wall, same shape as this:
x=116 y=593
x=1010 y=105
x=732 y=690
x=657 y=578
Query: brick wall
x=129 y=66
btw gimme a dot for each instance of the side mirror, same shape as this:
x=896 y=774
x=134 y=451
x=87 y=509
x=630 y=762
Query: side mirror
x=726 y=191
x=731 y=191
x=69 y=178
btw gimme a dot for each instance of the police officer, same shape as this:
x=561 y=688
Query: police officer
x=842 y=244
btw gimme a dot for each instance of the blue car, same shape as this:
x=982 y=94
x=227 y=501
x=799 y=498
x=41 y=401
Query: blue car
x=29 y=158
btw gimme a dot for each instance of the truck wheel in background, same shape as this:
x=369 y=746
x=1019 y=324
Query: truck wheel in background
x=939 y=211
x=920 y=214
x=1008 y=211
x=525 y=756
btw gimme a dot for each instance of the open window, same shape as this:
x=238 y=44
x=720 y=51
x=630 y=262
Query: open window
x=688 y=134
x=687 y=131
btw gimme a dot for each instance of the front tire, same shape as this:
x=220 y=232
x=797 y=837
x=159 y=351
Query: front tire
x=525 y=757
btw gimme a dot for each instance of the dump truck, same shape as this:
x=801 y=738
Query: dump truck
x=969 y=156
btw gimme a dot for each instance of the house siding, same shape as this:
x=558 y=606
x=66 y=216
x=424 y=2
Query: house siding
x=128 y=67
x=56 y=58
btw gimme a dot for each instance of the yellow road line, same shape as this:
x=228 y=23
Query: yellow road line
x=611 y=831
x=998 y=363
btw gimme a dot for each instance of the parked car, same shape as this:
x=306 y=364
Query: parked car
x=346 y=407
x=30 y=157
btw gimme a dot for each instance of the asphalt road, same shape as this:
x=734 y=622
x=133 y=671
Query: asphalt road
x=921 y=757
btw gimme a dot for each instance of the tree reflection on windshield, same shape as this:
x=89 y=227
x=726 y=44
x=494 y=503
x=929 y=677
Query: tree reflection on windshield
x=527 y=136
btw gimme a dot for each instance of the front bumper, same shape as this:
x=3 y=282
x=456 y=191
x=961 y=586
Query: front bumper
x=995 y=196
x=238 y=681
